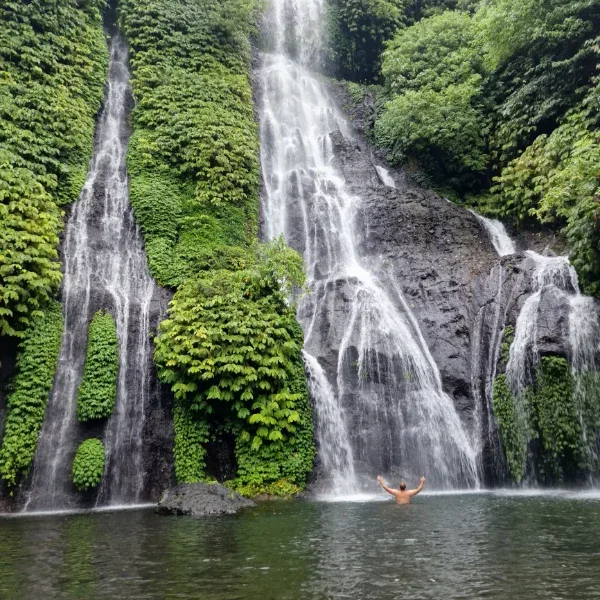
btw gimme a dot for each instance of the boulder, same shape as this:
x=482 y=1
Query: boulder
x=201 y=499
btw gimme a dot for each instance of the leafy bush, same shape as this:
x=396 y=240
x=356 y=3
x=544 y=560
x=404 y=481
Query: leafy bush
x=88 y=464
x=555 y=418
x=514 y=431
x=280 y=470
x=556 y=180
x=226 y=349
x=53 y=60
x=230 y=349
x=191 y=435
x=439 y=126
x=193 y=158
x=504 y=90
x=228 y=339
x=546 y=420
x=36 y=363
x=358 y=30
x=98 y=390
x=434 y=71
x=29 y=267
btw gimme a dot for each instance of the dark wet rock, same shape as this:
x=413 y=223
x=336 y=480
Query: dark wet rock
x=201 y=499
x=440 y=257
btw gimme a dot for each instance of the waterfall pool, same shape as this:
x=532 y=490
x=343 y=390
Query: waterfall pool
x=444 y=546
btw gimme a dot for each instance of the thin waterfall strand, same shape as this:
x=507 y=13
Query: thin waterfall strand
x=105 y=267
x=402 y=420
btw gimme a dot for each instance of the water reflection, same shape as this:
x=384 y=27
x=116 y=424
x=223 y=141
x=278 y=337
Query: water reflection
x=451 y=547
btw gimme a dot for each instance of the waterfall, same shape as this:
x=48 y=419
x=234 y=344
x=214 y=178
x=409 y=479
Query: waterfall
x=334 y=443
x=502 y=242
x=385 y=177
x=485 y=353
x=549 y=271
x=385 y=389
x=105 y=267
x=555 y=274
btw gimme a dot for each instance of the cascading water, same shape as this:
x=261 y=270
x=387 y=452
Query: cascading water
x=384 y=389
x=502 y=242
x=550 y=271
x=385 y=177
x=336 y=451
x=105 y=268
x=555 y=275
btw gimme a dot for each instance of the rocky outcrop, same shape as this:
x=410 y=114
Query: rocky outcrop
x=200 y=500
x=441 y=258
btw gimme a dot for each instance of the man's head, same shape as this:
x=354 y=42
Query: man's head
x=402 y=486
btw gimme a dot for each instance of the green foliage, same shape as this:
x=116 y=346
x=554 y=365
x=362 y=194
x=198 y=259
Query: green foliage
x=433 y=54
x=556 y=180
x=53 y=61
x=36 y=363
x=278 y=489
x=191 y=435
x=280 y=470
x=357 y=32
x=547 y=419
x=88 y=464
x=545 y=56
x=510 y=28
x=228 y=339
x=29 y=267
x=356 y=92
x=193 y=158
x=514 y=431
x=359 y=29
x=226 y=349
x=442 y=127
x=434 y=71
x=98 y=390
x=508 y=90
x=231 y=344
x=508 y=337
x=555 y=419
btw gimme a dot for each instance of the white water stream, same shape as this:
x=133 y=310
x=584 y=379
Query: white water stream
x=382 y=406
x=502 y=242
x=105 y=267
x=555 y=273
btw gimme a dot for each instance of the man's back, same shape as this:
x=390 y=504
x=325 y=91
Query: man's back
x=403 y=496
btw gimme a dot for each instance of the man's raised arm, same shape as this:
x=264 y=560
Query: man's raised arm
x=415 y=492
x=385 y=487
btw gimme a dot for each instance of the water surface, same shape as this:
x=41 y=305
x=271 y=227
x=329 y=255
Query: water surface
x=443 y=546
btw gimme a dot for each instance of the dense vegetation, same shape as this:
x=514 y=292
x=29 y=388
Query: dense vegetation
x=229 y=348
x=88 y=464
x=497 y=101
x=38 y=356
x=53 y=60
x=193 y=157
x=358 y=30
x=98 y=390
x=545 y=423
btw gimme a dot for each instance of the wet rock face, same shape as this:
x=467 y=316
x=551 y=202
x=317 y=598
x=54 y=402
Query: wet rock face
x=201 y=500
x=437 y=253
x=461 y=293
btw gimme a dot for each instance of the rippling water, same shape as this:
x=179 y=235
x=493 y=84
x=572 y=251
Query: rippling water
x=441 y=547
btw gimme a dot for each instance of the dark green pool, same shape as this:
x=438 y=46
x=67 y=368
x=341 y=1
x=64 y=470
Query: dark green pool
x=441 y=547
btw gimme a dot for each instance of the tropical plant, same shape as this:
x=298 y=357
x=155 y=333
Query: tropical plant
x=88 y=464
x=36 y=364
x=98 y=389
x=53 y=60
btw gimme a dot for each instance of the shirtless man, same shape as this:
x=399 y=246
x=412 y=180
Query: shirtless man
x=403 y=496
